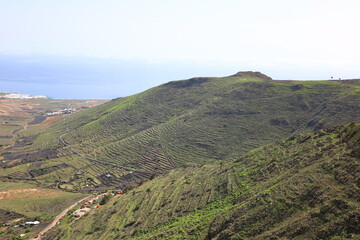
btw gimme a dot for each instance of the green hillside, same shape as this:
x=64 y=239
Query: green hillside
x=182 y=123
x=304 y=187
x=207 y=119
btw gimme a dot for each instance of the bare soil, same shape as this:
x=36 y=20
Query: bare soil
x=25 y=193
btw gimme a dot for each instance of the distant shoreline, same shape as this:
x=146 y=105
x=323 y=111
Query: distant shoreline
x=6 y=95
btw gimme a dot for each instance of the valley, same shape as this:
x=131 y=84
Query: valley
x=293 y=189
x=22 y=198
x=236 y=157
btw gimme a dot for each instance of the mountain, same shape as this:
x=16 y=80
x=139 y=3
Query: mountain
x=181 y=123
x=187 y=155
x=303 y=187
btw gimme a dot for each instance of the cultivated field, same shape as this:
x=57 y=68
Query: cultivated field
x=193 y=122
x=184 y=136
x=22 y=197
x=21 y=202
x=17 y=114
x=33 y=201
x=304 y=187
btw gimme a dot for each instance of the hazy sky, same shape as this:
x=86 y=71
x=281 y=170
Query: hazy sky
x=288 y=38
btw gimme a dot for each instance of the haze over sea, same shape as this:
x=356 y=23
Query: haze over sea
x=69 y=77
x=89 y=77
x=91 y=49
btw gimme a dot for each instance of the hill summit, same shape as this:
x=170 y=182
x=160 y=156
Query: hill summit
x=252 y=74
x=237 y=157
x=182 y=123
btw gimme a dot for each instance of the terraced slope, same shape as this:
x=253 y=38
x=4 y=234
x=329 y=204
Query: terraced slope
x=304 y=187
x=208 y=119
x=15 y=114
x=195 y=121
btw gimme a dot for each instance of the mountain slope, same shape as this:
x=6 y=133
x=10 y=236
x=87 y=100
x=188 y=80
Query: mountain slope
x=304 y=187
x=192 y=121
x=196 y=121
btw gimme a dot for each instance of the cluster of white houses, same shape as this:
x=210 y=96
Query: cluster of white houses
x=5 y=95
x=94 y=203
x=29 y=223
x=61 y=112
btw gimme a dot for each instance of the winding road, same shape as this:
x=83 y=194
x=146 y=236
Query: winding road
x=64 y=212
x=24 y=127
x=15 y=133
x=58 y=218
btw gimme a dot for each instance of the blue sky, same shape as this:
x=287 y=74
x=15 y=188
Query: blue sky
x=285 y=39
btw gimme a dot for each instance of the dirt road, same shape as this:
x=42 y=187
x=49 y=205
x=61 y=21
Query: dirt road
x=16 y=134
x=58 y=218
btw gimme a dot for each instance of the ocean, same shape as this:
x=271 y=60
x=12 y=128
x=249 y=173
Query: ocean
x=69 y=77
x=92 y=78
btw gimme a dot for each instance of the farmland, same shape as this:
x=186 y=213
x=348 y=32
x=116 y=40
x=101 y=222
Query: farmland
x=294 y=187
x=15 y=113
x=22 y=201
x=191 y=122
x=32 y=201
x=18 y=160
x=186 y=152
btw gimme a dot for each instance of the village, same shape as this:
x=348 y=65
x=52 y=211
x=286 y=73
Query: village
x=27 y=223
x=96 y=202
x=61 y=112
x=83 y=206
x=6 y=95
x=20 y=223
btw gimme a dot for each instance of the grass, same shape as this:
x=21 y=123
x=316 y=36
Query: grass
x=304 y=187
x=197 y=121
x=15 y=112
x=191 y=134
x=32 y=201
x=194 y=124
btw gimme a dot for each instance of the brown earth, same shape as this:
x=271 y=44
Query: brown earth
x=25 y=193
x=8 y=216
x=11 y=107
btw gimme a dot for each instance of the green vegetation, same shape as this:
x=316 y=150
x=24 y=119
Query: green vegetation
x=31 y=200
x=206 y=120
x=175 y=149
x=22 y=197
x=15 y=113
x=21 y=201
x=197 y=121
x=305 y=187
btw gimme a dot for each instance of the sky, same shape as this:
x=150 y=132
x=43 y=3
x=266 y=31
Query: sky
x=286 y=39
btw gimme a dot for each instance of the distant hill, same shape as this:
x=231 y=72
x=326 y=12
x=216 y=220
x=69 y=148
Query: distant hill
x=304 y=187
x=203 y=159
x=189 y=122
